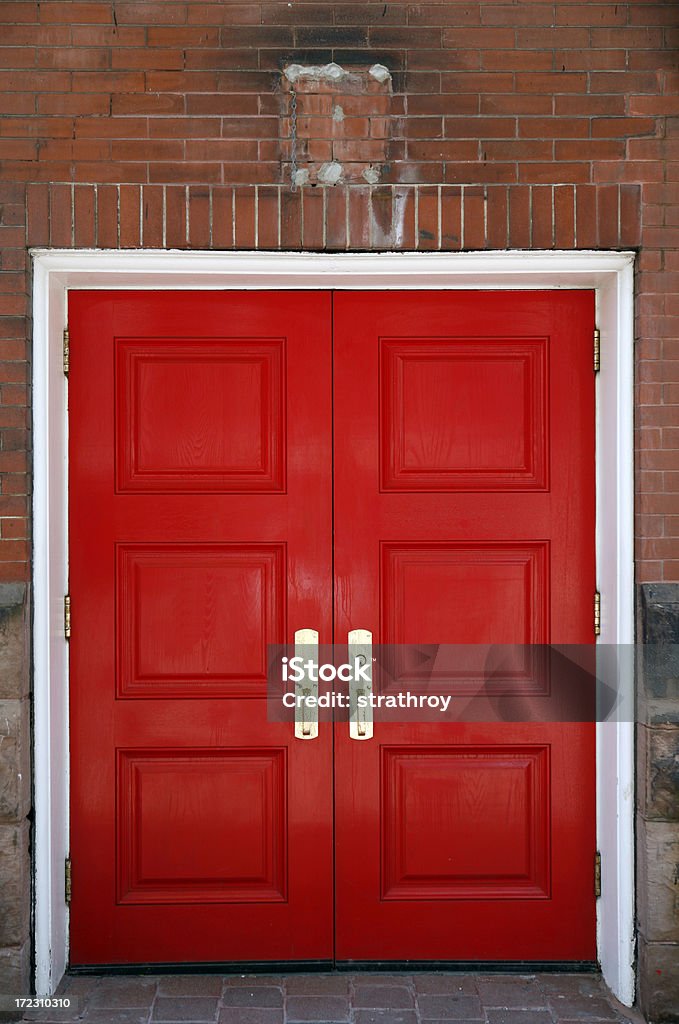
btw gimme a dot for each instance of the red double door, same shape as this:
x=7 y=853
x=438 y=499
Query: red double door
x=247 y=464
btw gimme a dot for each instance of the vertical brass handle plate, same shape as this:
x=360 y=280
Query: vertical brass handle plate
x=360 y=710
x=306 y=718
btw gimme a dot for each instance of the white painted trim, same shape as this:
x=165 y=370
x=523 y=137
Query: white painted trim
x=56 y=271
x=615 y=566
x=50 y=653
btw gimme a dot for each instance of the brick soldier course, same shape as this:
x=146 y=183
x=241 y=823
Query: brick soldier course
x=131 y=125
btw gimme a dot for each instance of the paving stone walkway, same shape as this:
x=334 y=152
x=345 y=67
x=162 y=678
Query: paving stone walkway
x=364 y=998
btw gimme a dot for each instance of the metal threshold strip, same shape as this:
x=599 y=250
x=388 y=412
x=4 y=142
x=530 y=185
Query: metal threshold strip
x=343 y=966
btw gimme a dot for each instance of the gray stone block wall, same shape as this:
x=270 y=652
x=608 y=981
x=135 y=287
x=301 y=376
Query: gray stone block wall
x=15 y=790
x=658 y=801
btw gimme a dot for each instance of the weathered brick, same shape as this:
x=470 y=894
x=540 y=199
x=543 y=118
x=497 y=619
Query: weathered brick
x=223 y=220
x=497 y=215
x=199 y=217
x=245 y=218
x=312 y=219
x=541 y=216
x=359 y=218
x=291 y=220
x=428 y=218
x=84 y=216
x=175 y=217
x=154 y=13
x=130 y=216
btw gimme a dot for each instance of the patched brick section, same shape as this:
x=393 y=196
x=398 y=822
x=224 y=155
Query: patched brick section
x=336 y=123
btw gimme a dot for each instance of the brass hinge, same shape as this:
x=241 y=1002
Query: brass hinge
x=67 y=351
x=67 y=616
x=597 y=874
x=68 y=881
x=597 y=349
x=597 y=614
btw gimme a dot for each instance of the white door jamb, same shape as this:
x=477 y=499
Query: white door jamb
x=57 y=271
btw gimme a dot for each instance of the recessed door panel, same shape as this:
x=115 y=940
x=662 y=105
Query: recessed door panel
x=170 y=395
x=499 y=437
x=171 y=851
x=195 y=619
x=496 y=592
x=465 y=822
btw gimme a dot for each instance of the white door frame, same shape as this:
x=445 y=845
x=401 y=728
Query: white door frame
x=57 y=271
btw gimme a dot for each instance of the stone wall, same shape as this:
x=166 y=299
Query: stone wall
x=658 y=800
x=15 y=791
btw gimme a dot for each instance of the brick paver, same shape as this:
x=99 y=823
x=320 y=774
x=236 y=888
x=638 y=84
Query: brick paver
x=340 y=998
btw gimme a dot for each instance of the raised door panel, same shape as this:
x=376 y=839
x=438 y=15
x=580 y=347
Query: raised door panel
x=202 y=826
x=492 y=600
x=498 y=437
x=488 y=592
x=195 y=415
x=465 y=822
x=196 y=619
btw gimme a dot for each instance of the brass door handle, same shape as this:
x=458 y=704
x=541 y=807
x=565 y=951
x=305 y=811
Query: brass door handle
x=360 y=709
x=306 y=718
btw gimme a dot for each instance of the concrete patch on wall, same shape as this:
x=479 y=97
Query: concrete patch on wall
x=336 y=123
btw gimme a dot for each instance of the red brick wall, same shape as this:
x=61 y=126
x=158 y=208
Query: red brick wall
x=126 y=124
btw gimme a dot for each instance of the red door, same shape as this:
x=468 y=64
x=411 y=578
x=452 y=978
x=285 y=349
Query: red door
x=201 y=458
x=200 y=496
x=464 y=513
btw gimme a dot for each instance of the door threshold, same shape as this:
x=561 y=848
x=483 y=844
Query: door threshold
x=344 y=966
x=209 y=967
x=472 y=966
